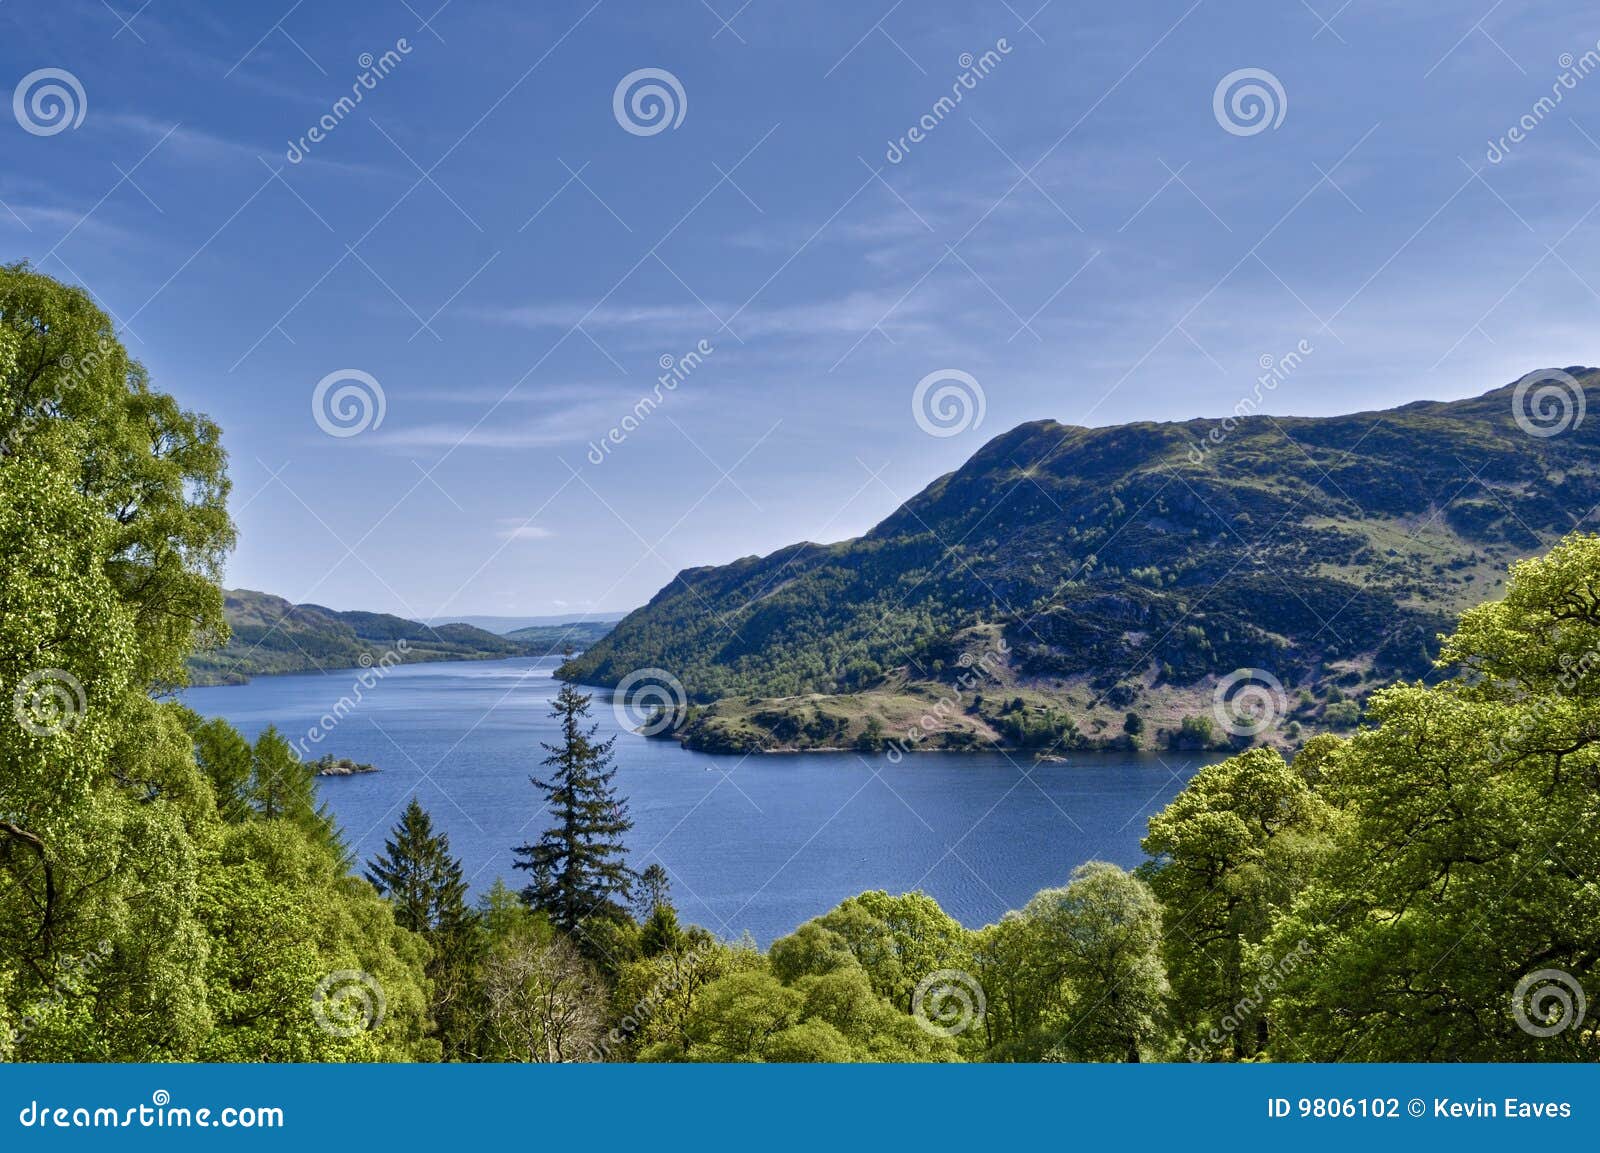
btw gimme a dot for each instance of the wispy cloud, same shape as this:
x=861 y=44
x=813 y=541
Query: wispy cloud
x=514 y=529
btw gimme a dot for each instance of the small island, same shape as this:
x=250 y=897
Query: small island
x=331 y=766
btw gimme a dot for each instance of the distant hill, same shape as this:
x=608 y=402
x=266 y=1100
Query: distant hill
x=271 y=635
x=553 y=638
x=1124 y=569
x=506 y=625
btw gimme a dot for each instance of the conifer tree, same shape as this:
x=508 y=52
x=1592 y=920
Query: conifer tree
x=425 y=887
x=579 y=864
x=282 y=787
x=419 y=876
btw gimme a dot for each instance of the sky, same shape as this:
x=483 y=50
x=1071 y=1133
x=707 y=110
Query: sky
x=426 y=320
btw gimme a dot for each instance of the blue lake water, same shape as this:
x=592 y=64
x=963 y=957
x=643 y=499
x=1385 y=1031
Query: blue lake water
x=759 y=843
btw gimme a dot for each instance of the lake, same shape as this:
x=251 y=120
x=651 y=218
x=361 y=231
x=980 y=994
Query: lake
x=757 y=843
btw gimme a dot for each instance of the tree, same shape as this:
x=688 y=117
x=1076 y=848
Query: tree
x=1077 y=973
x=579 y=865
x=1228 y=855
x=655 y=889
x=1461 y=879
x=419 y=876
x=425 y=887
x=546 y=1002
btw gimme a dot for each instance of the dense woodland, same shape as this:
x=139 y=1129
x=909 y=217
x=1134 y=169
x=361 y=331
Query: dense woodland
x=169 y=891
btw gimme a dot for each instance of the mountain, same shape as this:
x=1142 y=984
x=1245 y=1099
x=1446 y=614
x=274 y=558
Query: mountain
x=271 y=635
x=507 y=625
x=554 y=637
x=1065 y=577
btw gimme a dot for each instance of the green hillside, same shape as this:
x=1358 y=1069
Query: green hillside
x=1122 y=569
x=271 y=635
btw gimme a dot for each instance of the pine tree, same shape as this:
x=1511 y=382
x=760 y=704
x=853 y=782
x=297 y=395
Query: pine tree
x=419 y=876
x=282 y=787
x=425 y=887
x=579 y=863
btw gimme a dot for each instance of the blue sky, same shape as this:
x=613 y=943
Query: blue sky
x=1083 y=236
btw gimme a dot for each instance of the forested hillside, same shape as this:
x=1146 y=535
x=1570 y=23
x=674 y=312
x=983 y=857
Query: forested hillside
x=268 y=634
